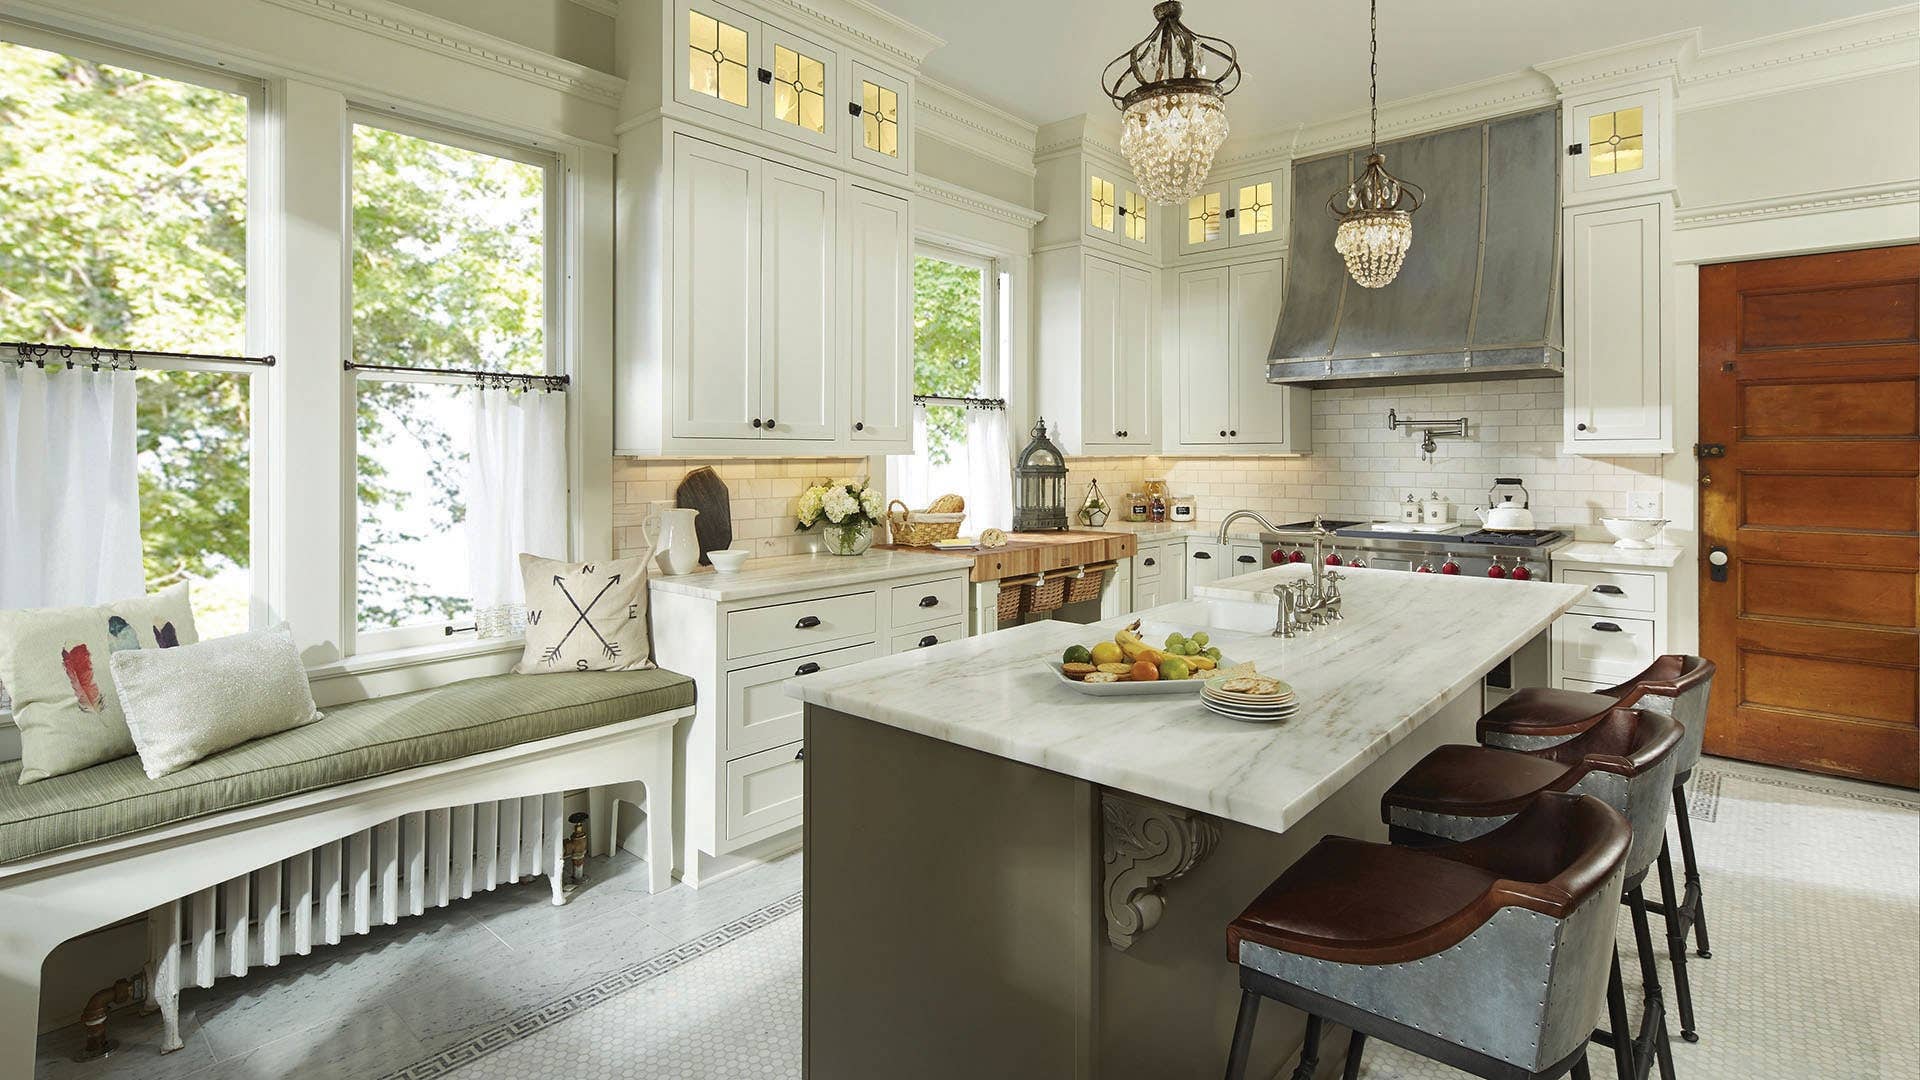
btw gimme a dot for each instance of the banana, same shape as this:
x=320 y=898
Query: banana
x=1199 y=663
x=1132 y=646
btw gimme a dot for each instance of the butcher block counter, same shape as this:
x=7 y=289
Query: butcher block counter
x=1029 y=553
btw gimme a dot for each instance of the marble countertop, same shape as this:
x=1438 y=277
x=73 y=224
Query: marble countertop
x=795 y=573
x=1409 y=644
x=1152 y=530
x=1597 y=554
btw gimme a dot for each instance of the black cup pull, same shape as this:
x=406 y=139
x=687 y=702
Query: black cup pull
x=1607 y=627
x=1149 y=562
x=1248 y=559
x=1609 y=590
x=1203 y=554
x=929 y=640
x=929 y=601
x=807 y=668
x=807 y=622
x=800 y=754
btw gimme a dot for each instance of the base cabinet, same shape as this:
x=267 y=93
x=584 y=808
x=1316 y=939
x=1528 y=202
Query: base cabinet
x=1616 y=631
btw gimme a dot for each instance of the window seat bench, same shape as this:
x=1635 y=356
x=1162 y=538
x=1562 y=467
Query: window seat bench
x=374 y=782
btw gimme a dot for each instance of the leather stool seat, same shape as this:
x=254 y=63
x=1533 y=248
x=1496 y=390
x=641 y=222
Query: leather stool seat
x=1475 y=781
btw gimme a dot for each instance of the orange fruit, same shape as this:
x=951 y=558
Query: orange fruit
x=1145 y=671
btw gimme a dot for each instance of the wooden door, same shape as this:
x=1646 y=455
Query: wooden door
x=797 y=280
x=716 y=291
x=1809 y=374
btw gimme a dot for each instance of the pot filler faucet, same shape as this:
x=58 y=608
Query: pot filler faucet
x=1303 y=604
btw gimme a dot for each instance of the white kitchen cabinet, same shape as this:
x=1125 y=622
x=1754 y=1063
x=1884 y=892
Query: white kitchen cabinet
x=1244 y=557
x=1226 y=405
x=1618 y=328
x=1619 y=142
x=879 y=280
x=1116 y=211
x=716 y=313
x=798 y=80
x=881 y=125
x=1159 y=572
x=715 y=56
x=797 y=275
x=1098 y=391
x=1207 y=562
x=1239 y=213
x=739 y=758
x=1616 y=630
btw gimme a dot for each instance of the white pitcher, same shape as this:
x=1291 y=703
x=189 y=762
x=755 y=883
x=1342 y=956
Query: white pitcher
x=668 y=531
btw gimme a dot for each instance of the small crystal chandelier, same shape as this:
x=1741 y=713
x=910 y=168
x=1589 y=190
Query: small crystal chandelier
x=1172 y=115
x=1376 y=209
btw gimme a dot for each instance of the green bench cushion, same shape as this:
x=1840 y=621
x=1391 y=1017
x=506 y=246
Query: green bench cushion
x=365 y=738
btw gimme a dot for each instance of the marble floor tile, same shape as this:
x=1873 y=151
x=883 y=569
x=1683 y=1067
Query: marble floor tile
x=356 y=1041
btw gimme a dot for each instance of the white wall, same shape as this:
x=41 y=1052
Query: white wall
x=560 y=28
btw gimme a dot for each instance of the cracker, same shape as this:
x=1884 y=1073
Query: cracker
x=1100 y=677
x=1116 y=669
x=1078 y=669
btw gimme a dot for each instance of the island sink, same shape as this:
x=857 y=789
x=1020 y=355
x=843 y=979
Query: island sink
x=1006 y=877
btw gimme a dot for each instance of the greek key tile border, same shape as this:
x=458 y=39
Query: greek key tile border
x=1703 y=795
x=578 y=1001
x=1851 y=790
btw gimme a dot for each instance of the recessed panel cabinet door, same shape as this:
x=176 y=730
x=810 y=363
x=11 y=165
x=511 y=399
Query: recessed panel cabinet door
x=1261 y=409
x=716 y=290
x=1103 y=415
x=1614 y=325
x=1205 y=371
x=1134 y=391
x=880 y=323
x=797 y=275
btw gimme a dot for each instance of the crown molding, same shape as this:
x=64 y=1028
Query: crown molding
x=1635 y=63
x=1799 y=205
x=1839 y=51
x=609 y=8
x=974 y=202
x=1503 y=94
x=1080 y=134
x=984 y=130
x=865 y=25
x=405 y=25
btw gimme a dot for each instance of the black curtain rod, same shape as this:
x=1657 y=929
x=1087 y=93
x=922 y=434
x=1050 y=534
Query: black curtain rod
x=36 y=352
x=484 y=378
x=962 y=402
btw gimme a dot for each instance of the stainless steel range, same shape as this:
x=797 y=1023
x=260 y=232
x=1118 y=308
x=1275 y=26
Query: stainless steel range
x=1440 y=549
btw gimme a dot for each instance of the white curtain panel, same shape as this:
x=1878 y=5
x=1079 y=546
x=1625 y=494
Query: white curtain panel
x=69 y=487
x=516 y=498
x=980 y=472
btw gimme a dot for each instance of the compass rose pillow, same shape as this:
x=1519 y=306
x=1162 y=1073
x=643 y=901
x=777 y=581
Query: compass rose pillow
x=585 y=616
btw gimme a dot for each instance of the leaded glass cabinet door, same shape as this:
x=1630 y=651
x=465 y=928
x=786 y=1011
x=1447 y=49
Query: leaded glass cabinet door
x=1254 y=214
x=1203 y=220
x=797 y=77
x=878 y=116
x=716 y=57
x=1619 y=140
x=1138 y=218
x=1101 y=209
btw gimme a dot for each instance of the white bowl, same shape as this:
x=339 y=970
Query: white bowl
x=1633 y=532
x=728 y=561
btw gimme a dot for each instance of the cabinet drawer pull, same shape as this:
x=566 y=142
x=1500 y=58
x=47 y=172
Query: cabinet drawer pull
x=766 y=76
x=1149 y=562
x=769 y=423
x=859 y=426
x=1609 y=590
x=1203 y=554
x=1611 y=628
x=1247 y=559
x=1223 y=433
x=807 y=622
x=800 y=754
x=1235 y=432
x=807 y=668
x=928 y=640
x=929 y=601
x=853 y=108
x=756 y=422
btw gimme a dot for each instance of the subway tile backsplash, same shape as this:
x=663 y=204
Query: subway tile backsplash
x=763 y=492
x=1360 y=469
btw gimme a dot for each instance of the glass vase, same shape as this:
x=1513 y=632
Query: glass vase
x=852 y=538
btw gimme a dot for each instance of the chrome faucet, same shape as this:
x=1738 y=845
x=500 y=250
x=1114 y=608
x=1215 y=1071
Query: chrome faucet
x=1305 y=604
x=1227 y=522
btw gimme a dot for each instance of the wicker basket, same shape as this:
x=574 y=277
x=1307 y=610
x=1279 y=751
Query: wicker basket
x=1047 y=594
x=1011 y=603
x=1087 y=585
x=920 y=528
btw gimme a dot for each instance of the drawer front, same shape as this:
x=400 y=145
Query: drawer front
x=1603 y=648
x=1609 y=590
x=764 y=793
x=758 y=715
x=1148 y=563
x=927 y=637
x=930 y=602
x=804 y=622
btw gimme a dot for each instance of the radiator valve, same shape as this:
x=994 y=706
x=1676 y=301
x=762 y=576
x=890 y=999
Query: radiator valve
x=93 y=1018
x=575 y=850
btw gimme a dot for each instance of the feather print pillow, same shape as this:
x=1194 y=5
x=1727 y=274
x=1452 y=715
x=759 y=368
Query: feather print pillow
x=54 y=663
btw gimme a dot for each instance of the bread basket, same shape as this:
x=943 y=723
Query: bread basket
x=920 y=528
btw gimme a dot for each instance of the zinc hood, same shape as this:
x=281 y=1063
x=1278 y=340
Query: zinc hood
x=1479 y=295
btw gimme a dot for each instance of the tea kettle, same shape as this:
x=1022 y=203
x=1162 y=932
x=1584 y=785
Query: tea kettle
x=1506 y=515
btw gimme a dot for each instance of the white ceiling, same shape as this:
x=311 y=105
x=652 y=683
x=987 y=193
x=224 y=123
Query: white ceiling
x=1307 y=61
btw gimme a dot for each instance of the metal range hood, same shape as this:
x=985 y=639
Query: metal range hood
x=1479 y=296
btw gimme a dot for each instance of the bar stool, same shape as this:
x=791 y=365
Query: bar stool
x=1626 y=758
x=1678 y=686
x=1387 y=941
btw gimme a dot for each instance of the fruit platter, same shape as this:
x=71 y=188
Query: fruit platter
x=1131 y=665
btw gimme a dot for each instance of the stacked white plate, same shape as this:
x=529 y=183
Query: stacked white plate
x=1250 y=707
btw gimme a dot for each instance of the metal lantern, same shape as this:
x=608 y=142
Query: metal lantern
x=1040 y=485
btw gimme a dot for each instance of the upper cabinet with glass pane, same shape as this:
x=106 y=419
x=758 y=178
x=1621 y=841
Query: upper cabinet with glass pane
x=717 y=54
x=1241 y=212
x=878 y=118
x=1115 y=209
x=1616 y=145
x=797 y=76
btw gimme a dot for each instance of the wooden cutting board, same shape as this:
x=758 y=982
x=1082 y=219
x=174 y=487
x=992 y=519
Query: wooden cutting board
x=703 y=490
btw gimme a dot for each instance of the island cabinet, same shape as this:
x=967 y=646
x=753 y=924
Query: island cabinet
x=1222 y=401
x=763 y=238
x=740 y=638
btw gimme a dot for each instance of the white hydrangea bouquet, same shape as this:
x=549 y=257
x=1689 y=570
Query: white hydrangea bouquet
x=849 y=509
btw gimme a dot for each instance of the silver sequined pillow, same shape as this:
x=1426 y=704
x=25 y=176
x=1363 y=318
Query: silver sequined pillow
x=187 y=703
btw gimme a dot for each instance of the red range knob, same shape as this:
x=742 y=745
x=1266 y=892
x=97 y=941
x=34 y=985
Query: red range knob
x=1334 y=559
x=1521 y=573
x=1496 y=570
x=1450 y=567
x=1296 y=555
x=1427 y=568
x=1358 y=564
x=1277 y=557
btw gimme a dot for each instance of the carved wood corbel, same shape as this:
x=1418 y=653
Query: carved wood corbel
x=1146 y=844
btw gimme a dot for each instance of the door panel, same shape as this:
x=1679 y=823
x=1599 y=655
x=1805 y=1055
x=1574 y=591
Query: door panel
x=797 y=277
x=1204 y=370
x=1614 y=323
x=1809 y=377
x=881 y=319
x=716 y=290
x=1260 y=409
x=1103 y=415
x=1133 y=385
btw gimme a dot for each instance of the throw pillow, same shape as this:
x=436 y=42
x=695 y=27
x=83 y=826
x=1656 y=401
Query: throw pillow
x=585 y=616
x=184 y=704
x=55 y=664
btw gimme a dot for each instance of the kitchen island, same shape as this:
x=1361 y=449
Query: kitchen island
x=1006 y=877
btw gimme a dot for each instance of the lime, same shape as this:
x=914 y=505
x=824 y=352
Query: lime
x=1077 y=654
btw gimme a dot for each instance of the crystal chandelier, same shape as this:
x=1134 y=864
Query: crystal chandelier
x=1173 y=115
x=1376 y=209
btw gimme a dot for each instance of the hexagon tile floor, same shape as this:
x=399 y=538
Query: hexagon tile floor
x=1813 y=901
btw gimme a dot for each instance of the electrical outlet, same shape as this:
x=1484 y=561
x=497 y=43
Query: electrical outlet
x=1643 y=504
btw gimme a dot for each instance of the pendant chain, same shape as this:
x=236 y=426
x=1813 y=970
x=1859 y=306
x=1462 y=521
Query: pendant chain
x=1373 y=75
